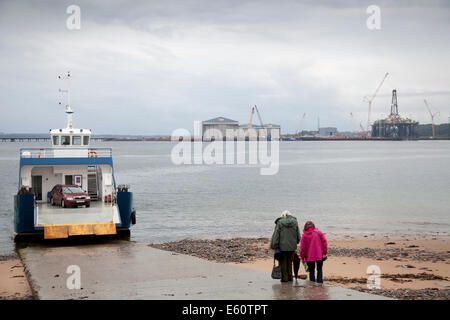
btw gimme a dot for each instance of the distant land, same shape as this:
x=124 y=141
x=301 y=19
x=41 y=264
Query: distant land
x=424 y=131
x=96 y=136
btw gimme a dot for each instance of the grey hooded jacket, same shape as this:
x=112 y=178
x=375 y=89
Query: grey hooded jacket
x=286 y=235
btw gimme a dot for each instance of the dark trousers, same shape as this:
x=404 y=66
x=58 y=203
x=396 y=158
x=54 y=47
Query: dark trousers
x=311 y=267
x=286 y=265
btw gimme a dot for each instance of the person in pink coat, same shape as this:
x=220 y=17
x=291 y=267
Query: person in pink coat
x=313 y=250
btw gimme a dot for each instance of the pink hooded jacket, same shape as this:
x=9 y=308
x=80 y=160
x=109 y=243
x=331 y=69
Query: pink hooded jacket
x=313 y=245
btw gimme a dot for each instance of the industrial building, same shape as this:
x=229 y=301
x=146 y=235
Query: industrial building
x=261 y=132
x=328 y=131
x=273 y=130
x=217 y=128
x=395 y=126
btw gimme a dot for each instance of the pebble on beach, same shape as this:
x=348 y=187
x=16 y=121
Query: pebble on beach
x=237 y=250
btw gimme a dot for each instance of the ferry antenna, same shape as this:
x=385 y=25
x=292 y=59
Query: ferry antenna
x=69 y=111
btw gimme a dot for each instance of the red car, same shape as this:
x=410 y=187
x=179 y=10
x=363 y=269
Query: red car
x=69 y=196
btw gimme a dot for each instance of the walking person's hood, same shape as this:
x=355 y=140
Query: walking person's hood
x=288 y=222
x=286 y=235
x=284 y=214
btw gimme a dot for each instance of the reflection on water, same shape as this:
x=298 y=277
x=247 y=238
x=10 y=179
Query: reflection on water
x=345 y=187
x=300 y=290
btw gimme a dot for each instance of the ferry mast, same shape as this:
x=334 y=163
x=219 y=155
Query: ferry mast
x=69 y=111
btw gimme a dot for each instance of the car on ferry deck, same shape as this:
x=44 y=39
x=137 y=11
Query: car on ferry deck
x=69 y=196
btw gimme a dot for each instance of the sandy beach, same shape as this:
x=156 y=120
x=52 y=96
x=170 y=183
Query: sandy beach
x=13 y=281
x=411 y=267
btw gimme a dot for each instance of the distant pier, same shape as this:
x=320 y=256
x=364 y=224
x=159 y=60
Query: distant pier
x=22 y=139
x=33 y=139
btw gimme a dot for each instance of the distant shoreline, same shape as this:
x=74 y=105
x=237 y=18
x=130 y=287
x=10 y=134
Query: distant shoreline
x=34 y=138
x=168 y=139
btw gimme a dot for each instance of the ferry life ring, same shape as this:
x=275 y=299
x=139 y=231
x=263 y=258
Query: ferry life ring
x=92 y=154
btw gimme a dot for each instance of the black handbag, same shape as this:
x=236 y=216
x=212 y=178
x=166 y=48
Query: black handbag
x=276 y=271
x=296 y=263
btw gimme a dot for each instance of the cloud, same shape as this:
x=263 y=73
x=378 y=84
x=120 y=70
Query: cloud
x=152 y=66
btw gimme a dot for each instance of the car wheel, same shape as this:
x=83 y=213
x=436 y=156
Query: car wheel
x=88 y=205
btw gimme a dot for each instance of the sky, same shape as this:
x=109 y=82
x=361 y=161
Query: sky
x=149 y=67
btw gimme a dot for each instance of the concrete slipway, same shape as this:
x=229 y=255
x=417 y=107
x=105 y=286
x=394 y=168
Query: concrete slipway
x=126 y=270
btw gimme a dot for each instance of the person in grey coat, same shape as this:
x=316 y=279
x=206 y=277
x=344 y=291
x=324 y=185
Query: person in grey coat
x=285 y=238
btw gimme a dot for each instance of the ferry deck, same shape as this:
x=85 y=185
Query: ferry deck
x=46 y=214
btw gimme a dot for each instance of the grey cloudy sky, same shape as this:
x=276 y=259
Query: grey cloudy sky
x=148 y=67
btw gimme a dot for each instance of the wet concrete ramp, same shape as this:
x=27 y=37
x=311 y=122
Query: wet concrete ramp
x=125 y=270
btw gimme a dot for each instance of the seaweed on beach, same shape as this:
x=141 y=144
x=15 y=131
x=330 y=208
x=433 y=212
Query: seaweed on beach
x=399 y=277
x=237 y=250
x=241 y=250
x=410 y=294
x=389 y=253
x=8 y=257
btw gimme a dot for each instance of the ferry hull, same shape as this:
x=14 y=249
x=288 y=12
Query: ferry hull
x=26 y=221
x=24 y=213
x=125 y=204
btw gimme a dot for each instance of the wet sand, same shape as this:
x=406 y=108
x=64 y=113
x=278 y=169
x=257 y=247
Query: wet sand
x=411 y=267
x=13 y=282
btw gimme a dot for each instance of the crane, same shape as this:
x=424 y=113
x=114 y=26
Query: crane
x=361 y=126
x=251 y=120
x=263 y=127
x=432 y=115
x=369 y=100
x=301 y=125
x=259 y=116
x=353 y=122
x=250 y=123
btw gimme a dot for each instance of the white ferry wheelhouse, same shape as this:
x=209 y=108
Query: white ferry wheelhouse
x=70 y=188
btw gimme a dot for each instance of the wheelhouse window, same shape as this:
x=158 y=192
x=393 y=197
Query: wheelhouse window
x=65 y=140
x=85 y=140
x=56 y=140
x=76 y=140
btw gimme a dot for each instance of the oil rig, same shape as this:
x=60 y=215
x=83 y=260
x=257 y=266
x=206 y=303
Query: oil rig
x=395 y=127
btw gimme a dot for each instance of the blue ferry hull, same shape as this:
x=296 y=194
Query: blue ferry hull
x=25 y=213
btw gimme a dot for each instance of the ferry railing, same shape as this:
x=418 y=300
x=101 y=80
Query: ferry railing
x=65 y=152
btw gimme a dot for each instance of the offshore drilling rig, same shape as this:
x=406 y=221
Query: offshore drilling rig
x=395 y=127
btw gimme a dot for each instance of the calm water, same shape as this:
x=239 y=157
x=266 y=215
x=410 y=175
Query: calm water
x=344 y=187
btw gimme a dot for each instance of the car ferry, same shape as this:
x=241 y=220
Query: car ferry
x=69 y=189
